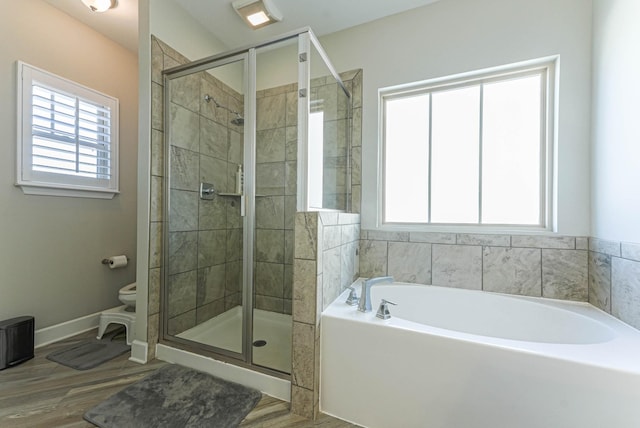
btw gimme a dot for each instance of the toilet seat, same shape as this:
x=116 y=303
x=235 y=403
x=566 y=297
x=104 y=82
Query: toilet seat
x=128 y=289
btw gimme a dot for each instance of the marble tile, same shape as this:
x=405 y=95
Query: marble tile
x=183 y=251
x=349 y=266
x=433 y=237
x=185 y=125
x=331 y=272
x=234 y=245
x=270 y=178
x=288 y=282
x=356 y=130
x=233 y=277
x=328 y=218
x=156 y=194
x=181 y=292
x=554 y=242
x=269 y=303
x=214 y=139
x=356 y=198
x=154 y=291
x=483 y=239
x=185 y=168
x=214 y=171
x=356 y=165
x=357 y=90
x=156 y=62
x=512 y=270
x=289 y=246
x=290 y=210
x=373 y=258
x=625 y=291
x=582 y=243
x=234 y=219
x=209 y=109
x=212 y=214
x=235 y=151
x=302 y=369
x=350 y=233
x=153 y=332
x=458 y=266
x=183 y=211
x=379 y=235
x=600 y=280
x=211 y=284
x=270 y=145
x=611 y=248
x=304 y=291
x=271 y=112
x=630 y=251
x=185 y=91
x=155 y=245
x=331 y=237
x=290 y=177
x=212 y=247
x=210 y=310
x=302 y=401
x=349 y=218
x=292 y=108
x=410 y=262
x=269 y=279
x=291 y=147
x=306 y=236
x=157 y=153
x=287 y=306
x=270 y=245
x=157 y=107
x=182 y=322
x=565 y=274
x=270 y=212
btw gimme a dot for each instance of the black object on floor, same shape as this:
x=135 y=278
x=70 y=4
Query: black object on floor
x=176 y=396
x=89 y=354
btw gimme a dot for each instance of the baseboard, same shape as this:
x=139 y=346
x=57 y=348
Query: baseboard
x=55 y=333
x=275 y=387
x=139 y=352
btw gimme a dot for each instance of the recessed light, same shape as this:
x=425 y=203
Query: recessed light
x=99 y=5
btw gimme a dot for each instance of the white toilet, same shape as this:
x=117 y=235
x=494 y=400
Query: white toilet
x=124 y=315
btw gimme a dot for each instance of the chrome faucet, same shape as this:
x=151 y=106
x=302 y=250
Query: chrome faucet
x=364 y=305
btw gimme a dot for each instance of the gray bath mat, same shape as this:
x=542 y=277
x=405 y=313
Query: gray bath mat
x=175 y=396
x=92 y=353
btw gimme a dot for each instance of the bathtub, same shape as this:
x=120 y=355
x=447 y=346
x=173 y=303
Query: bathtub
x=452 y=358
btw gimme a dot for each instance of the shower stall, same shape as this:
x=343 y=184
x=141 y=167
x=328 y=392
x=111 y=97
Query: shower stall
x=251 y=137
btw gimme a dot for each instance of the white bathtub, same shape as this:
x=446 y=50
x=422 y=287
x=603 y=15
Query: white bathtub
x=451 y=358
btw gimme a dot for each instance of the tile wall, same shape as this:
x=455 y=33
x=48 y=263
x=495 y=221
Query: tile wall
x=326 y=262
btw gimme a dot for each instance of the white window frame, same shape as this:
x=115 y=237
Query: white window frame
x=34 y=182
x=548 y=205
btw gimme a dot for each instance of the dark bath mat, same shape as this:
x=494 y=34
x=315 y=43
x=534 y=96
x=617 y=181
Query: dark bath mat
x=89 y=354
x=175 y=396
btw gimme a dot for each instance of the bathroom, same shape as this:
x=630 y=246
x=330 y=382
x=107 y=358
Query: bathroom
x=594 y=215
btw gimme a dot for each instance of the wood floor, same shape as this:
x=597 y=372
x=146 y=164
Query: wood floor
x=41 y=393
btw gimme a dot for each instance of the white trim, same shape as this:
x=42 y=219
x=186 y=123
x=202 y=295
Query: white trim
x=139 y=352
x=55 y=333
x=275 y=387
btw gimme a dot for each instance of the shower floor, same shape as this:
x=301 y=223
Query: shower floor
x=225 y=331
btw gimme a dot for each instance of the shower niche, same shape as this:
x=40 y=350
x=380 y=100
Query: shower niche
x=251 y=137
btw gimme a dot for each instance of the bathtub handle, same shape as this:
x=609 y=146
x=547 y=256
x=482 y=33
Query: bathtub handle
x=352 y=300
x=383 y=310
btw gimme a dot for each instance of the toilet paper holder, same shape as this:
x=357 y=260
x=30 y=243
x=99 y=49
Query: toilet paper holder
x=107 y=261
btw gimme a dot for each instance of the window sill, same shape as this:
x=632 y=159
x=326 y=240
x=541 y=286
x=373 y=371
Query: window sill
x=473 y=229
x=71 y=192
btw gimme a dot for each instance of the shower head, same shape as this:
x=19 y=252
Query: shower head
x=238 y=120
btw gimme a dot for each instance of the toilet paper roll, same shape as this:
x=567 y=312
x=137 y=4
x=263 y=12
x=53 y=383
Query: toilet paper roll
x=117 y=262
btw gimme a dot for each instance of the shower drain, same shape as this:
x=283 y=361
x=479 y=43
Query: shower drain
x=259 y=343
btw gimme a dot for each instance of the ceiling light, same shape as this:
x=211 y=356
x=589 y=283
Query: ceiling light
x=257 y=13
x=99 y=5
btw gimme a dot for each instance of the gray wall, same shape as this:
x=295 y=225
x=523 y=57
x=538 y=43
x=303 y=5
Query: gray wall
x=51 y=247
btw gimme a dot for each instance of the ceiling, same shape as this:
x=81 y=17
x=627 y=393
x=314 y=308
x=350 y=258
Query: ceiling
x=323 y=16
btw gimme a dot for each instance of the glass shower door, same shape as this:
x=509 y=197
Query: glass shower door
x=203 y=293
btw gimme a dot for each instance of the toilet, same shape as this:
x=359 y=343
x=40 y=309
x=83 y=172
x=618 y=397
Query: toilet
x=124 y=315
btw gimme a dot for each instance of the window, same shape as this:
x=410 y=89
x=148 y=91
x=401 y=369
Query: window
x=469 y=151
x=67 y=137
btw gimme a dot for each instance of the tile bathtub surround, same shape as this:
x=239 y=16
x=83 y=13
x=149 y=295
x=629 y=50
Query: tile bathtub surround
x=603 y=273
x=326 y=261
x=547 y=266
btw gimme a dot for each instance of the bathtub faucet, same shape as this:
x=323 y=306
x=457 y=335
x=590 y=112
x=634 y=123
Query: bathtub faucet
x=365 y=296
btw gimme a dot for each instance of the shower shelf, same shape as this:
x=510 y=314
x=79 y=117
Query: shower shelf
x=229 y=194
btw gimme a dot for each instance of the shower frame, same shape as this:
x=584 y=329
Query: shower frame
x=306 y=40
